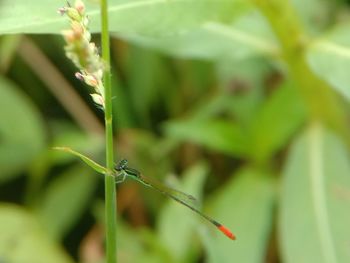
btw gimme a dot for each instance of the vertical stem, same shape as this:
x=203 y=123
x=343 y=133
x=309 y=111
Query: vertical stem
x=110 y=189
x=323 y=103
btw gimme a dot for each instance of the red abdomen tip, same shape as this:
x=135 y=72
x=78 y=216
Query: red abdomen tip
x=226 y=232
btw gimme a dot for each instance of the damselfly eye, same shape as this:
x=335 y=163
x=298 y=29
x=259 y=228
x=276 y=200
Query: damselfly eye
x=121 y=165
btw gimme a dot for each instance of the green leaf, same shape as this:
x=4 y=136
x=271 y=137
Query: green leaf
x=208 y=29
x=218 y=135
x=315 y=14
x=178 y=240
x=22 y=239
x=248 y=81
x=314 y=214
x=159 y=17
x=329 y=58
x=65 y=199
x=280 y=117
x=244 y=205
x=98 y=168
x=248 y=36
x=22 y=133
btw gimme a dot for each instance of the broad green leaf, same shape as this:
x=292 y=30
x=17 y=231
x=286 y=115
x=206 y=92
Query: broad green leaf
x=278 y=120
x=244 y=205
x=22 y=239
x=98 y=168
x=65 y=199
x=248 y=36
x=179 y=240
x=208 y=29
x=315 y=14
x=219 y=135
x=329 y=58
x=246 y=80
x=314 y=209
x=148 y=17
x=22 y=133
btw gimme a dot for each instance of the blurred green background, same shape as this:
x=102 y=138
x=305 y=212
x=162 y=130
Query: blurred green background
x=243 y=104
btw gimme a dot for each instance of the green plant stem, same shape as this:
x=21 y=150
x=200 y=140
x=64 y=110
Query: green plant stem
x=322 y=102
x=110 y=189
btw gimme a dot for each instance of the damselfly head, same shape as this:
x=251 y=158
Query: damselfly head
x=121 y=165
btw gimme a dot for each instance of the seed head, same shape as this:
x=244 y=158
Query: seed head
x=80 y=7
x=81 y=51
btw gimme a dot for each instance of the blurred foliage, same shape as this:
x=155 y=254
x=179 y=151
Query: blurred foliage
x=244 y=104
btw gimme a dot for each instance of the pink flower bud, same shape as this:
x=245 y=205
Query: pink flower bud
x=68 y=35
x=79 y=76
x=80 y=7
x=77 y=29
x=91 y=80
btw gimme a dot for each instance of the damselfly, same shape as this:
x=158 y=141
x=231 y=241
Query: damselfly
x=180 y=197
